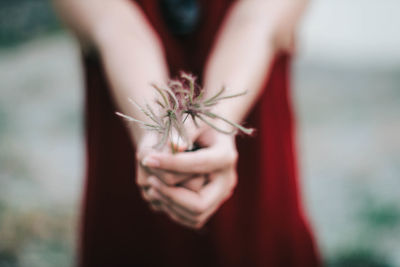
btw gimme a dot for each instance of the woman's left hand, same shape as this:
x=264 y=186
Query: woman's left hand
x=217 y=160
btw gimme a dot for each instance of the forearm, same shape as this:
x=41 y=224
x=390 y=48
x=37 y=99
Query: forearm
x=132 y=63
x=131 y=52
x=251 y=35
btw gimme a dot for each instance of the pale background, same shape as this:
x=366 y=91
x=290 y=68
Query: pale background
x=347 y=94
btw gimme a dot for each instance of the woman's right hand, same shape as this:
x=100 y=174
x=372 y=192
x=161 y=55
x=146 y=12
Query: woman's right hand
x=216 y=161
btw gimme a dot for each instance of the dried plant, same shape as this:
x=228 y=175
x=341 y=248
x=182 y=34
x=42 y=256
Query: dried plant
x=180 y=99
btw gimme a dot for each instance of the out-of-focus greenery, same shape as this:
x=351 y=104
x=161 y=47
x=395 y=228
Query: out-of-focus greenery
x=21 y=20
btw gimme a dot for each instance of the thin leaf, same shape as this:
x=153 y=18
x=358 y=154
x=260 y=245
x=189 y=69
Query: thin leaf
x=231 y=96
x=175 y=83
x=216 y=100
x=187 y=115
x=159 y=103
x=164 y=97
x=188 y=76
x=194 y=120
x=215 y=96
x=200 y=96
x=164 y=137
x=191 y=86
x=182 y=91
x=153 y=128
x=215 y=127
x=169 y=91
x=134 y=120
x=145 y=125
x=143 y=110
x=238 y=126
x=153 y=114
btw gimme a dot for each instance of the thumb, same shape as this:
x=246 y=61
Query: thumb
x=202 y=161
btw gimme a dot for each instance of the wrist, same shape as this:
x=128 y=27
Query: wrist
x=211 y=136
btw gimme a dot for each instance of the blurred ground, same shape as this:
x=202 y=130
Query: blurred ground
x=40 y=152
x=347 y=95
x=347 y=91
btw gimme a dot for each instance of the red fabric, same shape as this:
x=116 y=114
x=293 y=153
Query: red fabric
x=263 y=223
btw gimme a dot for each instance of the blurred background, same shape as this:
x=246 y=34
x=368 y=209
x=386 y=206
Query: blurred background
x=346 y=81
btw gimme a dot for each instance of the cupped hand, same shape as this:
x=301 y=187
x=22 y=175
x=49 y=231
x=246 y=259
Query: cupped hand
x=216 y=160
x=190 y=181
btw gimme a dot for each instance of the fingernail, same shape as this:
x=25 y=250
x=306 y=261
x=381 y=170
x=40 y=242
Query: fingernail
x=150 y=162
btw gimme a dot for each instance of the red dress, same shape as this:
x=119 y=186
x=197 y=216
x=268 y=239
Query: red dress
x=263 y=224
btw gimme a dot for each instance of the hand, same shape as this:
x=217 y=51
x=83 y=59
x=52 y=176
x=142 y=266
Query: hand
x=217 y=160
x=193 y=182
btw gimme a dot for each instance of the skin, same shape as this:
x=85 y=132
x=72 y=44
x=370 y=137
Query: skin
x=188 y=187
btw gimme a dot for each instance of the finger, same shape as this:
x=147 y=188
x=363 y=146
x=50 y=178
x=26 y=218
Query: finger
x=141 y=177
x=168 y=177
x=152 y=196
x=195 y=183
x=155 y=206
x=186 y=199
x=177 y=218
x=173 y=210
x=196 y=221
x=204 y=160
x=146 y=145
x=179 y=210
x=194 y=203
x=173 y=178
x=188 y=180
